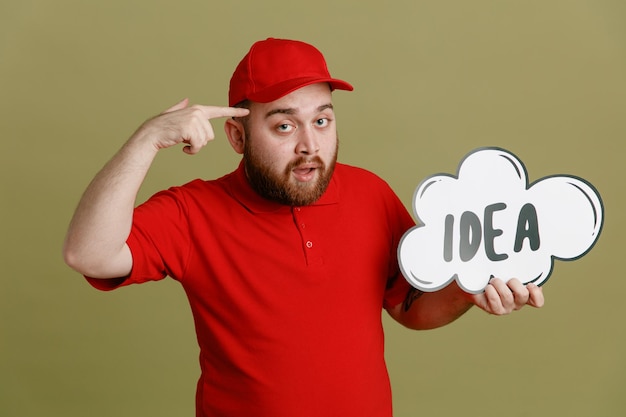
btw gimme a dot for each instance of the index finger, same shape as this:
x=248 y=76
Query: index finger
x=536 y=296
x=213 y=112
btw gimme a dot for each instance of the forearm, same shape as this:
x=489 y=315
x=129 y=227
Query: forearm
x=95 y=244
x=422 y=311
x=96 y=240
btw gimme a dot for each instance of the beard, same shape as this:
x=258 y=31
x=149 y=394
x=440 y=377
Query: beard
x=280 y=186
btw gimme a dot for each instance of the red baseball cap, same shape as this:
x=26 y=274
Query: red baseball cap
x=276 y=67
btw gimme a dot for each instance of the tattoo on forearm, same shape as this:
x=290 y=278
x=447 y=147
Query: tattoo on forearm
x=412 y=295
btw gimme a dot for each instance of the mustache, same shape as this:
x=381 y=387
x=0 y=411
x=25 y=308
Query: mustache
x=304 y=160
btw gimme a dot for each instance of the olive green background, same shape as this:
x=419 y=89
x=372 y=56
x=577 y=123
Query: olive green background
x=434 y=80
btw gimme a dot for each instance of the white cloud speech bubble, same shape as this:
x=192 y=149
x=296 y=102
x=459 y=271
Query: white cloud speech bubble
x=488 y=222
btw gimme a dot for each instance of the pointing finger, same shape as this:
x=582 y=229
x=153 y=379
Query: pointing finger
x=212 y=112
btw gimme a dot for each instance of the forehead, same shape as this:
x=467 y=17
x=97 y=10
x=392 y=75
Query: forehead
x=308 y=99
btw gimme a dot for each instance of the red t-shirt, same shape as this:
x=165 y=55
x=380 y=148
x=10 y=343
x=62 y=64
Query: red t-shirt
x=286 y=300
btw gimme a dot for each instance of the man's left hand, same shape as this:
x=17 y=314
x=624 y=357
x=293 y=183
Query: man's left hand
x=501 y=297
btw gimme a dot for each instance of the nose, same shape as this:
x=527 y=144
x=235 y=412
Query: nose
x=307 y=142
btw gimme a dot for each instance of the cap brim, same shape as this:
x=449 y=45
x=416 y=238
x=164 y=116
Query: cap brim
x=282 y=89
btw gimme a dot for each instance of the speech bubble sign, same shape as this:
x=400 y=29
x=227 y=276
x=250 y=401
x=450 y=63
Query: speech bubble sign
x=487 y=221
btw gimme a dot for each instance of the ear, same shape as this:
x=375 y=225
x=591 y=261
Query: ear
x=236 y=134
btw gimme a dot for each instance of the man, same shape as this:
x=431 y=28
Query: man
x=287 y=261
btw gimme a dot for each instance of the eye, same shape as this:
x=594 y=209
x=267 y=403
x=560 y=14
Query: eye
x=323 y=122
x=284 y=128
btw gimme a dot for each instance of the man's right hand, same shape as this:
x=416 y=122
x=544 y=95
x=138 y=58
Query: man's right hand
x=182 y=124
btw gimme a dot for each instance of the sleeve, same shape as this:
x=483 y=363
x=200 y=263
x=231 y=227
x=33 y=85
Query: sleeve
x=400 y=221
x=159 y=241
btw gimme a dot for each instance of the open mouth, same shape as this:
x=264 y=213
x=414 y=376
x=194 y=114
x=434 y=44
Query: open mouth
x=304 y=173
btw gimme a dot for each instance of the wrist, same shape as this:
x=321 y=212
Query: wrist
x=143 y=141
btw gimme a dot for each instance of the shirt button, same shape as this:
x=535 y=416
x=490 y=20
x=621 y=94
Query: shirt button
x=302 y=225
x=309 y=244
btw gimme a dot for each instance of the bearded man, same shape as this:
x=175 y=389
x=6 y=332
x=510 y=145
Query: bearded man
x=287 y=261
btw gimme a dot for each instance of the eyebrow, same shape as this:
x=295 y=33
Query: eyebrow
x=295 y=111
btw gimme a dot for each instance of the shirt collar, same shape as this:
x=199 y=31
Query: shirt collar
x=242 y=191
